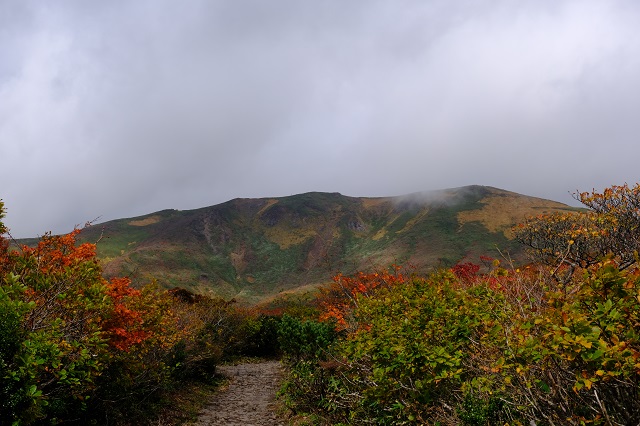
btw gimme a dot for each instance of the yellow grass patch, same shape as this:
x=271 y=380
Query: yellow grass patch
x=373 y=202
x=147 y=221
x=379 y=235
x=382 y=232
x=500 y=212
x=286 y=238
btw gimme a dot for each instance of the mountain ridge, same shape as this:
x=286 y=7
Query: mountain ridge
x=253 y=248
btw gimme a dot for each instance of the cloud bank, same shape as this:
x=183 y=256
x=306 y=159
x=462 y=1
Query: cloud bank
x=116 y=109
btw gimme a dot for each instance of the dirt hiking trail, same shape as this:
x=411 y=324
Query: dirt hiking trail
x=249 y=399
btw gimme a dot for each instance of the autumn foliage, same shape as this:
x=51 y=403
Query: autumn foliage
x=67 y=324
x=339 y=300
x=573 y=240
x=74 y=345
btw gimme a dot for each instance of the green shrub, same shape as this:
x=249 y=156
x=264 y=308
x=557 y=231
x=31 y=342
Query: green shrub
x=577 y=359
x=262 y=336
x=416 y=349
x=304 y=339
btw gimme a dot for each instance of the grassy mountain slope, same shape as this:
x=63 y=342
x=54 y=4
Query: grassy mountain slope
x=254 y=248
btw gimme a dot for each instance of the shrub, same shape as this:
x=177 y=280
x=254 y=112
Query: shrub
x=74 y=345
x=339 y=300
x=304 y=339
x=576 y=361
x=262 y=340
x=416 y=351
x=305 y=344
x=54 y=300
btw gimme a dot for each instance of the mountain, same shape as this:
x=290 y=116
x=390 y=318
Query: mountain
x=250 y=249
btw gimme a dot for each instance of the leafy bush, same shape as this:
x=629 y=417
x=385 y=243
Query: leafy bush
x=54 y=302
x=415 y=351
x=576 y=361
x=304 y=344
x=262 y=336
x=74 y=345
x=304 y=339
x=339 y=300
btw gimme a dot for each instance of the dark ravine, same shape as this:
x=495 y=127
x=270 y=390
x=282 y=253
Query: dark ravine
x=253 y=249
x=249 y=399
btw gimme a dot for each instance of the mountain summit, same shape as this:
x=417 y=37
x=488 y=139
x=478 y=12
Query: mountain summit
x=250 y=249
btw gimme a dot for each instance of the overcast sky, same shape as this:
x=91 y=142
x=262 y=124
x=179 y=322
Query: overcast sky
x=116 y=109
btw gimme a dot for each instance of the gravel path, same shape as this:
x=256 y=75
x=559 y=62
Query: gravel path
x=250 y=398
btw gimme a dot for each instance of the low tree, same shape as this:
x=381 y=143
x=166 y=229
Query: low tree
x=618 y=207
x=567 y=241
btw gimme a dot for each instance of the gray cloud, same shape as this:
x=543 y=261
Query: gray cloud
x=116 y=109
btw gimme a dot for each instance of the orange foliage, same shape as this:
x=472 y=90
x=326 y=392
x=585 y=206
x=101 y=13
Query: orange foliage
x=125 y=326
x=341 y=298
x=54 y=252
x=62 y=267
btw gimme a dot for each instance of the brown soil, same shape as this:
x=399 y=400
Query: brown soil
x=249 y=399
